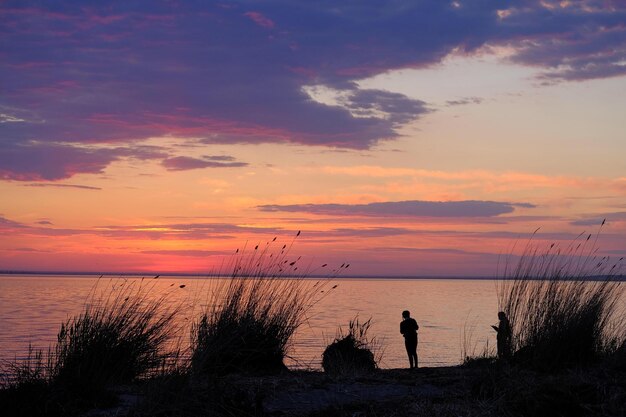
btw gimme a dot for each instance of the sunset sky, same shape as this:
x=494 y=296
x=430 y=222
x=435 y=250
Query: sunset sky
x=404 y=137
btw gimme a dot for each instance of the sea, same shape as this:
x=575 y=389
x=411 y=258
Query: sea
x=454 y=315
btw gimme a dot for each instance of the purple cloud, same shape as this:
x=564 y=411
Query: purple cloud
x=37 y=161
x=189 y=252
x=597 y=220
x=442 y=251
x=404 y=208
x=366 y=232
x=93 y=73
x=29 y=250
x=177 y=231
x=463 y=101
x=50 y=162
x=10 y=224
x=48 y=184
x=183 y=163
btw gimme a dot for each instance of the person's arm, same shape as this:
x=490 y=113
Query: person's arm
x=401 y=329
x=495 y=328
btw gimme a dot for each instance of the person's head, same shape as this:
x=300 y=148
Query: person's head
x=501 y=315
x=406 y=314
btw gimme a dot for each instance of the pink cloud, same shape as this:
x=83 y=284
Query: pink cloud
x=184 y=163
x=260 y=19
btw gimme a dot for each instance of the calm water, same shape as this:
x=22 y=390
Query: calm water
x=33 y=307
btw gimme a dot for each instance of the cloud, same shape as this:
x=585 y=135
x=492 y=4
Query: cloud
x=51 y=162
x=365 y=232
x=184 y=163
x=78 y=75
x=596 y=220
x=574 y=41
x=40 y=161
x=28 y=250
x=183 y=231
x=186 y=252
x=7 y=118
x=150 y=231
x=404 y=208
x=463 y=101
x=438 y=251
x=394 y=107
x=260 y=20
x=10 y=224
x=48 y=184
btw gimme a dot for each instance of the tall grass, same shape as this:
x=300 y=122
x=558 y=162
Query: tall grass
x=470 y=353
x=562 y=304
x=251 y=318
x=124 y=332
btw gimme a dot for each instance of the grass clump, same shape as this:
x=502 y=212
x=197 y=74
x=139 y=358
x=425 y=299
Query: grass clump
x=352 y=352
x=124 y=333
x=252 y=316
x=120 y=336
x=563 y=305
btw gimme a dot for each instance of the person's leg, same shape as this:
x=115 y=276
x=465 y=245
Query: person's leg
x=411 y=346
x=409 y=351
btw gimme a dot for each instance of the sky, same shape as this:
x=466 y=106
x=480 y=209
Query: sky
x=407 y=138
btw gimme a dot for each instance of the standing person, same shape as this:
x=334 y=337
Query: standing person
x=408 y=328
x=504 y=336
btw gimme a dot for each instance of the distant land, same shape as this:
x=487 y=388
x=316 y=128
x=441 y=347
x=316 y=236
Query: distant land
x=313 y=276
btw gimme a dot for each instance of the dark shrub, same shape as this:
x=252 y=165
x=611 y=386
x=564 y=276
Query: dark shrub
x=350 y=353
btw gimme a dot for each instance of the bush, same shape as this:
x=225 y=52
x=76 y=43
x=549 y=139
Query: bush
x=253 y=315
x=562 y=305
x=351 y=353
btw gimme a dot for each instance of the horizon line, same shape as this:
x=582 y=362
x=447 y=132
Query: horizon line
x=213 y=275
x=312 y=276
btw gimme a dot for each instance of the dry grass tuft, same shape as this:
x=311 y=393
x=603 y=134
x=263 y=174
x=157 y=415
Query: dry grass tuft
x=251 y=317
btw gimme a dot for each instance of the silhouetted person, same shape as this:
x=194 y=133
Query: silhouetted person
x=408 y=328
x=504 y=336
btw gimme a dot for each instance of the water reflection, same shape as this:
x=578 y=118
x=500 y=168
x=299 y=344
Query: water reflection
x=33 y=307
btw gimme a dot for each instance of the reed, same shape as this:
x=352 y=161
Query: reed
x=124 y=333
x=471 y=354
x=562 y=304
x=250 y=319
